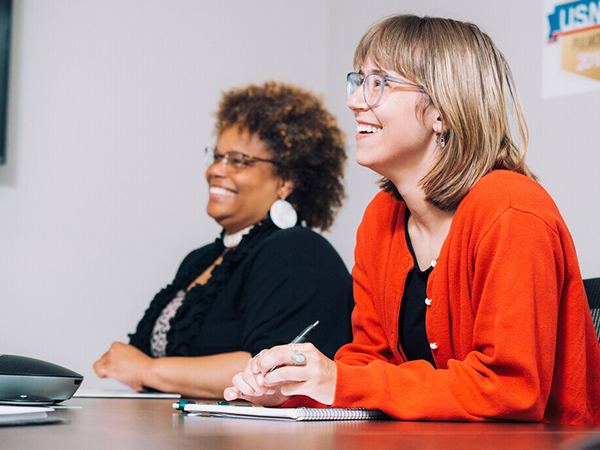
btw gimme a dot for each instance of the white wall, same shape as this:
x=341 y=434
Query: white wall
x=111 y=104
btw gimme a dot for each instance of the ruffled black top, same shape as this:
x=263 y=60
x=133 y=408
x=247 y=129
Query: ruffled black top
x=266 y=290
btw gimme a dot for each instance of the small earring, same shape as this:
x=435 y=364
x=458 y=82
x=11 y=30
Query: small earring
x=440 y=139
x=283 y=214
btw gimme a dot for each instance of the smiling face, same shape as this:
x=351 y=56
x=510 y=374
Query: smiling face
x=240 y=198
x=391 y=138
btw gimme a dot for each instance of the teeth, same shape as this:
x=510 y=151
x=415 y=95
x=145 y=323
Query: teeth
x=367 y=129
x=221 y=191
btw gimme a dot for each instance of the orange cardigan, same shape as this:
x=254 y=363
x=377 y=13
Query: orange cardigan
x=508 y=319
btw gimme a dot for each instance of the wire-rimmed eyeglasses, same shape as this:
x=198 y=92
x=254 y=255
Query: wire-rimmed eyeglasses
x=374 y=83
x=233 y=161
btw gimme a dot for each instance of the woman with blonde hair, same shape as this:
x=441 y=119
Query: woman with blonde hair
x=469 y=300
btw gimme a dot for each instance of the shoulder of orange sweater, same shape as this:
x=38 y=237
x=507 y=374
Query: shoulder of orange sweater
x=503 y=189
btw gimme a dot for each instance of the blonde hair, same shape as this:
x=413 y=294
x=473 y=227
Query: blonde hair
x=467 y=79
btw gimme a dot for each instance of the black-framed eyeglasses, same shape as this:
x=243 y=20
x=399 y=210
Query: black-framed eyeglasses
x=233 y=161
x=374 y=84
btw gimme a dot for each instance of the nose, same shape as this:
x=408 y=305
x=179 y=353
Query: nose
x=357 y=101
x=217 y=168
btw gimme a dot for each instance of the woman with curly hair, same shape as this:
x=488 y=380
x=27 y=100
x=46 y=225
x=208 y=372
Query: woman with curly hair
x=275 y=173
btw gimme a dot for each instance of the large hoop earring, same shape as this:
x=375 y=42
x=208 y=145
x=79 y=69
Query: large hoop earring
x=283 y=214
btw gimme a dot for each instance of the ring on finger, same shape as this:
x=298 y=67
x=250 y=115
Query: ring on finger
x=298 y=358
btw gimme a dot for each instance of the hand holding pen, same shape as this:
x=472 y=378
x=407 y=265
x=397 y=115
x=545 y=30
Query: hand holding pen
x=272 y=376
x=298 y=358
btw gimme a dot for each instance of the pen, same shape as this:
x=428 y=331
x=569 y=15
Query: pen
x=180 y=405
x=306 y=334
x=302 y=337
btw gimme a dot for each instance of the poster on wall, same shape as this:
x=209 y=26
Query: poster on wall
x=571 y=53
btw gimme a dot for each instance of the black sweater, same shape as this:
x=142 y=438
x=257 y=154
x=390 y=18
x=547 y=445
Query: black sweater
x=267 y=290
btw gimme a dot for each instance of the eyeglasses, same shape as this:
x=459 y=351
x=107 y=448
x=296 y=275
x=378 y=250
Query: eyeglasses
x=233 y=161
x=374 y=84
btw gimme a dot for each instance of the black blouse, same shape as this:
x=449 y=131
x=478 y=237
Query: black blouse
x=264 y=292
x=412 y=332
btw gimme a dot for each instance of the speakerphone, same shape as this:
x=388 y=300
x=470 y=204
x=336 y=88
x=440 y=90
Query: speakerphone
x=30 y=381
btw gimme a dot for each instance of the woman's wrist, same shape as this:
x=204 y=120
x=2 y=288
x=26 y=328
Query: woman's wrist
x=150 y=372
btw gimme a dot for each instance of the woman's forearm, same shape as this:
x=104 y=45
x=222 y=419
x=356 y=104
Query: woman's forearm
x=197 y=377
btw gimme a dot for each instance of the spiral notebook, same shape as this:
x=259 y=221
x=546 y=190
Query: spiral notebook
x=292 y=414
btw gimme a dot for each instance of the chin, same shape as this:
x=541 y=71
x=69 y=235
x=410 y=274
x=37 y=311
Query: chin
x=216 y=215
x=362 y=159
x=380 y=168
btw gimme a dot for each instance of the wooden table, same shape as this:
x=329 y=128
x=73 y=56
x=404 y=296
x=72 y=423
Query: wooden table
x=112 y=424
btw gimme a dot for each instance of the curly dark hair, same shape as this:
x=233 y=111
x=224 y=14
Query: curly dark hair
x=303 y=138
